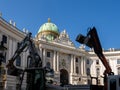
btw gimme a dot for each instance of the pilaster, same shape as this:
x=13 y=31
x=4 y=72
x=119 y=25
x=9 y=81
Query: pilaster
x=84 y=64
x=44 y=57
x=72 y=63
x=41 y=53
x=57 y=61
x=74 y=71
x=54 y=61
x=82 y=67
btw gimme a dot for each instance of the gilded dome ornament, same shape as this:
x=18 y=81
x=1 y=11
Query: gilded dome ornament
x=49 y=20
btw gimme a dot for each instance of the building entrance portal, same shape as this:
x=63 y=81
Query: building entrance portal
x=64 y=77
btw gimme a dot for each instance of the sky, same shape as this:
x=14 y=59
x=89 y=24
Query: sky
x=75 y=16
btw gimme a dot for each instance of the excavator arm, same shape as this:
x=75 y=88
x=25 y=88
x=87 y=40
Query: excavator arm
x=92 y=41
x=35 y=72
x=25 y=43
x=12 y=69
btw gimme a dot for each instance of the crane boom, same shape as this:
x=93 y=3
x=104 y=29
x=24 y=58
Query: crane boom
x=92 y=41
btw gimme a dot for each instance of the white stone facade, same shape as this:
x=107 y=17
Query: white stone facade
x=112 y=57
x=76 y=63
x=13 y=36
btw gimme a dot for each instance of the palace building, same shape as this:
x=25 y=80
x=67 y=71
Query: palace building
x=71 y=65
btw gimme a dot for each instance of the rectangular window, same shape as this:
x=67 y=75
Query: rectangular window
x=48 y=54
x=97 y=71
x=87 y=61
x=88 y=71
x=97 y=62
x=118 y=61
x=77 y=70
x=18 y=44
x=76 y=60
x=99 y=81
x=4 y=39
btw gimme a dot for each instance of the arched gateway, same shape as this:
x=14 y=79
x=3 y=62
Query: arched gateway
x=64 y=77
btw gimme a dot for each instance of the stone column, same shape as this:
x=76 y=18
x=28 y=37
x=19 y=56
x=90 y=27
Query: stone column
x=79 y=63
x=72 y=69
x=74 y=64
x=82 y=68
x=57 y=61
x=24 y=59
x=41 y=53
x=44 y=56
x=54 y=61
x=56 y=66
x=10 y=48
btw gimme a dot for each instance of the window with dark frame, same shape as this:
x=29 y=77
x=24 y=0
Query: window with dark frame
x=88 y=71
x=99 y=81
x=97 y=62
x=118 y=61
x=76 y=60
x=87 y=61
x=48 y=54
x=77 y=70
x=4 y=39
x=97 y=71
x=18 y=59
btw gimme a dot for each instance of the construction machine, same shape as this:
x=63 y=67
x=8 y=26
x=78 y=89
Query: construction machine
x=35 y=71
x=111 y=81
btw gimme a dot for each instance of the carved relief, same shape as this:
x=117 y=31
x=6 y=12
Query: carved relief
x=64 y=39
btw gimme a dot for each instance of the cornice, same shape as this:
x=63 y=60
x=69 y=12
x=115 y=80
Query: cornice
x=60 y=47
x=7 y=26
x=106 y=54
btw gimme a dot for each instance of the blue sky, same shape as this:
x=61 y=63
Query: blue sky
x=75 y=16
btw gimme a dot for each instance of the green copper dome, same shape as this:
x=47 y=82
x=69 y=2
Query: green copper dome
x=49 y=31
x=49 y=27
